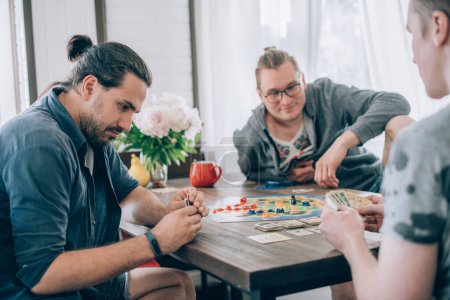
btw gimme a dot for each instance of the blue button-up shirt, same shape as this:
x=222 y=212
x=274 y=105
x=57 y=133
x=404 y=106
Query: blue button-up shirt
x=49 y=201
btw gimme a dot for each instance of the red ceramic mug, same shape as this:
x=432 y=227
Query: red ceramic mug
x=204 y=174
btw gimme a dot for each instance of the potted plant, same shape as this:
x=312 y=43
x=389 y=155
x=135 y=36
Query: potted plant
x=165 y=132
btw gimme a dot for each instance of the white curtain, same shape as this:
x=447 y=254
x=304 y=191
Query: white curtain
x=389 y=53
x=230 y=37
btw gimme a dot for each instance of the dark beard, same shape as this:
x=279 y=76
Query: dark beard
x=92 y=131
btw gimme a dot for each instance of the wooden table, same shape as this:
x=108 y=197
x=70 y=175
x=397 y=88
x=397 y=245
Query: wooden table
x=263 y=271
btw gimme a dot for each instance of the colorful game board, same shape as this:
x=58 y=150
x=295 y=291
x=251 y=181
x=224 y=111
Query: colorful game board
x=260 y=208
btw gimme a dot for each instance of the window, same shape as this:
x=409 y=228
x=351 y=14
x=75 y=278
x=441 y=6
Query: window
x=22 y=76
x=13 y=78
x=342 y=55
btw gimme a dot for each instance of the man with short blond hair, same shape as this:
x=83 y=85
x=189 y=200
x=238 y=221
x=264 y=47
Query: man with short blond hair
x=414 y=256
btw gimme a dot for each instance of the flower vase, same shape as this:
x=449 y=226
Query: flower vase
x=158 y=177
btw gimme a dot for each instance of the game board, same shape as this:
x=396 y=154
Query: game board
x=262 y=208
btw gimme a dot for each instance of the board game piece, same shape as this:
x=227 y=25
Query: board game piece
x=269 y=238
x=293 y=200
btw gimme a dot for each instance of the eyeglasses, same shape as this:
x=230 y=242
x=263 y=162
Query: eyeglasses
x=275 y=96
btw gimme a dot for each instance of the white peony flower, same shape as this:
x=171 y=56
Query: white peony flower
x=168 y=112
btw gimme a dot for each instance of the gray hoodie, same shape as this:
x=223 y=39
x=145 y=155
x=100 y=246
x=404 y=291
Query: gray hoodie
x=330 y=109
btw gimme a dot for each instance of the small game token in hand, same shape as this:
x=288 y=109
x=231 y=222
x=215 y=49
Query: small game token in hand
x=186 y=201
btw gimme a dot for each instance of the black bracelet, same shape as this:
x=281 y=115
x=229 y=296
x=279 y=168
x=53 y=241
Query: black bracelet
x=154 y=245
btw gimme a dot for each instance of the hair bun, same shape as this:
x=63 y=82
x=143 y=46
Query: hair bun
x=77 y=45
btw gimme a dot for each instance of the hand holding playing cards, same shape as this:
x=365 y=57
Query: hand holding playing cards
x=302 y=171
x=194 y=197
x=341 y=228
x=373 y=213
x=327 y=165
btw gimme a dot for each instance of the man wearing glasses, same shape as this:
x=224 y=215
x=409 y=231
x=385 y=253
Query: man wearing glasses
x=314 y=131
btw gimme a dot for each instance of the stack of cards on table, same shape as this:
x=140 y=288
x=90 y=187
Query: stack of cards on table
x=269 y=238
x=345 y=198
x=268 y=226
x=289 y=224
x=313 y=221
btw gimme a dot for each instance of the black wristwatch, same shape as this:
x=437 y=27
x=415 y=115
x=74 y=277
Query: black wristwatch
x=154 y=245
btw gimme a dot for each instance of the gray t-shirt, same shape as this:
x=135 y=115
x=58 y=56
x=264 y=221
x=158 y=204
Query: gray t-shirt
x=416 y=190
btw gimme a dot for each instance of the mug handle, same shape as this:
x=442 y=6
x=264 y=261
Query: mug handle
x=217 y=175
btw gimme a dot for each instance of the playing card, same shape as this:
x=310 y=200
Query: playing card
x=269 y=238
x=332 y=202
x=268 y=226
x=299 y=232
x=337 y=198
x=313 y=229
x=356 y=201
x=342 y=199
x=290 y=224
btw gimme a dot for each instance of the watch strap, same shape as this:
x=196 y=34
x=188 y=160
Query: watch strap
x=154 y=244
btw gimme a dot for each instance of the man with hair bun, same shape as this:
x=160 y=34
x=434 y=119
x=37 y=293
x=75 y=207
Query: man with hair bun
x=303 y=132
x=64 y=190
x=414 y=256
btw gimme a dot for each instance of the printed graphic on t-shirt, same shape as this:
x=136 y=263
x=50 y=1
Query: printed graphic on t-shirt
x=298 y=147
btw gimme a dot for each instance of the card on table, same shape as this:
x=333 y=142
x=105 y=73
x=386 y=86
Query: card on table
x=269 y=238
x=299 y=232
x=313 y=229
x=291 y=224
x=268 y=226
x=313 y=221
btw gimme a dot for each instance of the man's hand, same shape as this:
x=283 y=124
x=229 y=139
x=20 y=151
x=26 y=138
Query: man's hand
x=327 y=165
x=177 y=228
x=373 y=214
x=340 y=228
x=302 y=171
x=196 y=198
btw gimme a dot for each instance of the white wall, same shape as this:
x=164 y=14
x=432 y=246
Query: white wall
x=158 y=30
x=54 y=22
x=7 y=85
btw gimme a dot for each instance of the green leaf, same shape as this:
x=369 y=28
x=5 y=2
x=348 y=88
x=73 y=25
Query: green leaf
x=165 y=157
